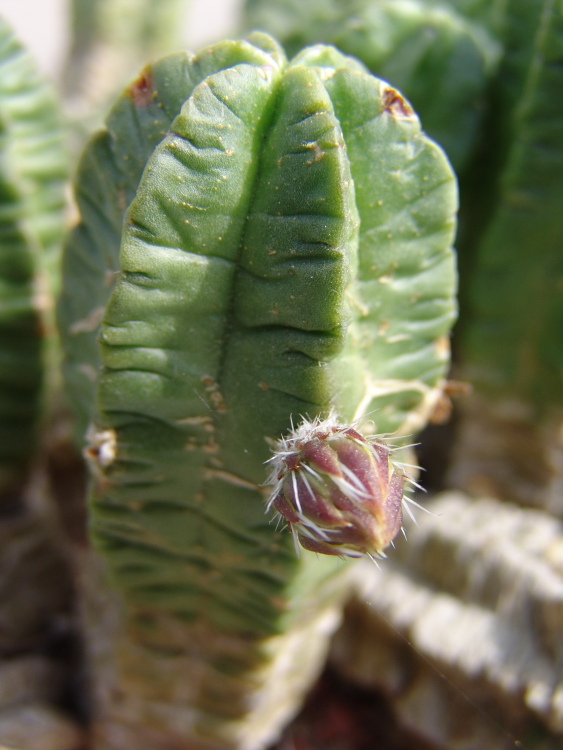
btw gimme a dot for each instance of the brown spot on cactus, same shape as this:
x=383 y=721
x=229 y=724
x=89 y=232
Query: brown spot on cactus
x=396 y=104
x=141 y=90
x=214 y=394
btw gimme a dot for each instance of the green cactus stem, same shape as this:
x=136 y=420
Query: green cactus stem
x=32 y=172
x=287 y=252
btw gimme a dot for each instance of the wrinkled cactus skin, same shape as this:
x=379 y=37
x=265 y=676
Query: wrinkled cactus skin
x=32 y=173
x=286 y=252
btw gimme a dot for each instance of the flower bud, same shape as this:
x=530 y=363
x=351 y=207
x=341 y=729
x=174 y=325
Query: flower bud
x=339 y=492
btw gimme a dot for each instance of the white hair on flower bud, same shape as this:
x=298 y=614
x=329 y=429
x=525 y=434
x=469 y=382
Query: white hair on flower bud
x=330 y=429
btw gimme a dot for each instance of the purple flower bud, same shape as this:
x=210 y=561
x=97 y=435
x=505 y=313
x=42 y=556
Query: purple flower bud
x=339 y=492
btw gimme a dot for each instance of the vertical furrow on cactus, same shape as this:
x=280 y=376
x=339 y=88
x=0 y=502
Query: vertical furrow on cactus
x=299 y=256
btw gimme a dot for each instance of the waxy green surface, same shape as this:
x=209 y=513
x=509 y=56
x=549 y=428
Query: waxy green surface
x=287 y=251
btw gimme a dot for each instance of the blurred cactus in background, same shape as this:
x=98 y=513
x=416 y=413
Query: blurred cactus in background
x=510 y=343
x=110 y=40
x=35 y=582
x=32 y=180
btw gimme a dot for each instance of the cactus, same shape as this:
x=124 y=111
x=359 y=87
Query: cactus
x=32 y=179
x=266 y=271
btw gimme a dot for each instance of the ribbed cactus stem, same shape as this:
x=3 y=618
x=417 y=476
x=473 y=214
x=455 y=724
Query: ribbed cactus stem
x=287 y=252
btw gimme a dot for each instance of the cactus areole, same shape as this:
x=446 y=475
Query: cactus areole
x=285 y=251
